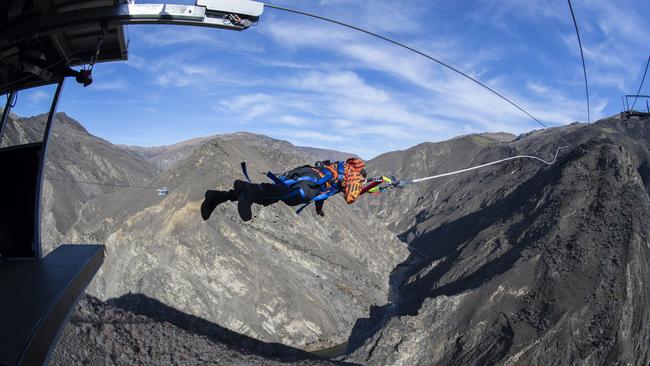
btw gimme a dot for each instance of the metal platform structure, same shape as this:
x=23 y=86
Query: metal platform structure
x=629 y=112
x=43 y=42
x=38 y=297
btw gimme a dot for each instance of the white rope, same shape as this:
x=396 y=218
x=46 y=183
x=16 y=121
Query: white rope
x=488 y=164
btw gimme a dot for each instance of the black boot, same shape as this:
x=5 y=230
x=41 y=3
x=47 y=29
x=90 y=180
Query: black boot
x=214 y=199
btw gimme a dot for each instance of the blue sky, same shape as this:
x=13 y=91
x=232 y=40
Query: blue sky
x=322 y=85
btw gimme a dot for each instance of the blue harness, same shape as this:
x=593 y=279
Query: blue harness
x=321 y=182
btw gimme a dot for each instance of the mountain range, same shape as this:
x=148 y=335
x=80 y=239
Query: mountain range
x=519 y=263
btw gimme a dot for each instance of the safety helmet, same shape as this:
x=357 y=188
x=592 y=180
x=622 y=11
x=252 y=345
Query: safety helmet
x=355 y=163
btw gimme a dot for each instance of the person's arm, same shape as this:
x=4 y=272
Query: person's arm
x=370 y=186
x=319 y=208
x=353 y=186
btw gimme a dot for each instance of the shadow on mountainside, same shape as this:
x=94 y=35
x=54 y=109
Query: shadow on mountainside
x=644 y=172
x=143 y=305
x=448 y=243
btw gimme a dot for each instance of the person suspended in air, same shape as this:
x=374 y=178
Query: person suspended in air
x=299 y=186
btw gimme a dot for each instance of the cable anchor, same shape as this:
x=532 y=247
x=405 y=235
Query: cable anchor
x=85 y=76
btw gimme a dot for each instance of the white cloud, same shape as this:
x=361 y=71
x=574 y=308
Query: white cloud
x=135 y=61
x=455 y=98
x=344 y=83
x=290 y=64
x=37 y=96
x=393 y=16
x=342 y=123
x=316 y=77
x=173 y=35
x=302 y=137
x=245 y=108
x=294 y=121
x=608 y=80
x=616 y=47
x=104 y=84
x=240 y=103
x=187 y=69
x=184 y=75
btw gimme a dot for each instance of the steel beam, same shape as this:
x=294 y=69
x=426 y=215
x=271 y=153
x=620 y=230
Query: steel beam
x=41 y=170
x=38 y=297
x=125 y=14
x=628 y=96
x=5 y=113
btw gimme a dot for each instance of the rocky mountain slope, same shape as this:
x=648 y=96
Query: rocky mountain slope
x=515 y=264
x=164 y=157
x=160 y=258
x=522 y=263
x=299 y=280
x=137 y=330
x=74 y=156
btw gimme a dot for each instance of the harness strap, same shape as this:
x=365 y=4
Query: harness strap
x=288 y=182
x=326 y=175
x=298 y=211
x=274 y=178
x=293 y=193
x=321 y=197
x=245 y=171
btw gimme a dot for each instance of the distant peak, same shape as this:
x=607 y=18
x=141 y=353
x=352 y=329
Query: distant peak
x=64 y=118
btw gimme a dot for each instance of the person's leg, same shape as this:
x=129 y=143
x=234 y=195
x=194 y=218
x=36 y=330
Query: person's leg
x=246 y=194
x=215 y=198
x=262 y=194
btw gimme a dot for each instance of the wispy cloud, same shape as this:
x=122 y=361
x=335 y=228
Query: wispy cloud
x=37 y=96
x=344 y=83
x=294 y=121
x=187 y=69
x=167 y=36
x=302 y=137
x=117 y=84
x=394 y=16
x=184 y=75
x=453 y=93
x=322 y=85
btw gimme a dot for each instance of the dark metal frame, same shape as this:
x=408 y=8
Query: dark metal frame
x=42 y=292
x=40 y=296
x=123 y=15
x=42 y=167
x=628 y=96
x=207 y=13
x=6 y=112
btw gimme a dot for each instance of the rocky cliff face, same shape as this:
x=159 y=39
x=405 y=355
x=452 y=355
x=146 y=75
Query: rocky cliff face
x=137 y=330
x=164 y=157
x=76 y=161
x=515 y=264
x=299 y=280
x=522 y=264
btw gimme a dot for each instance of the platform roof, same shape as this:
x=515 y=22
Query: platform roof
x=70 y=47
